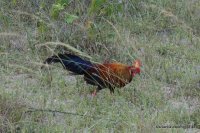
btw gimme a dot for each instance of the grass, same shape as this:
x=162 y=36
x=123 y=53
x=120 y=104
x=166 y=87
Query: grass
x=163 y=34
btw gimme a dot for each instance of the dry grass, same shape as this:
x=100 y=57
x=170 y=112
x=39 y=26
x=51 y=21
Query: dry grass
x=163 y=34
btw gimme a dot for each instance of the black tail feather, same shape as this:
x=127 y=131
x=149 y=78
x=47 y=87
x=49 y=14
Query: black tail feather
x=53 y=59
x=71 y=62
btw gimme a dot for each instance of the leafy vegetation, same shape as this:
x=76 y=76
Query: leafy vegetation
x=163 y=34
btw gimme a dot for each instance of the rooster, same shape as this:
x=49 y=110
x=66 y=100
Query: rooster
x=107 y=75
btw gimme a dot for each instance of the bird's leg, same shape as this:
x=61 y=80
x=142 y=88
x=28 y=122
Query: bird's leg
x=111 y=90
x=94 y=93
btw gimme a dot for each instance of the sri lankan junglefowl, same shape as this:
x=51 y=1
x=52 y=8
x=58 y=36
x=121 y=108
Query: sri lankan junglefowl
x=106 y=75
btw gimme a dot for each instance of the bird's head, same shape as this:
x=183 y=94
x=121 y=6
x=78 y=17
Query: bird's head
x=135 y=69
